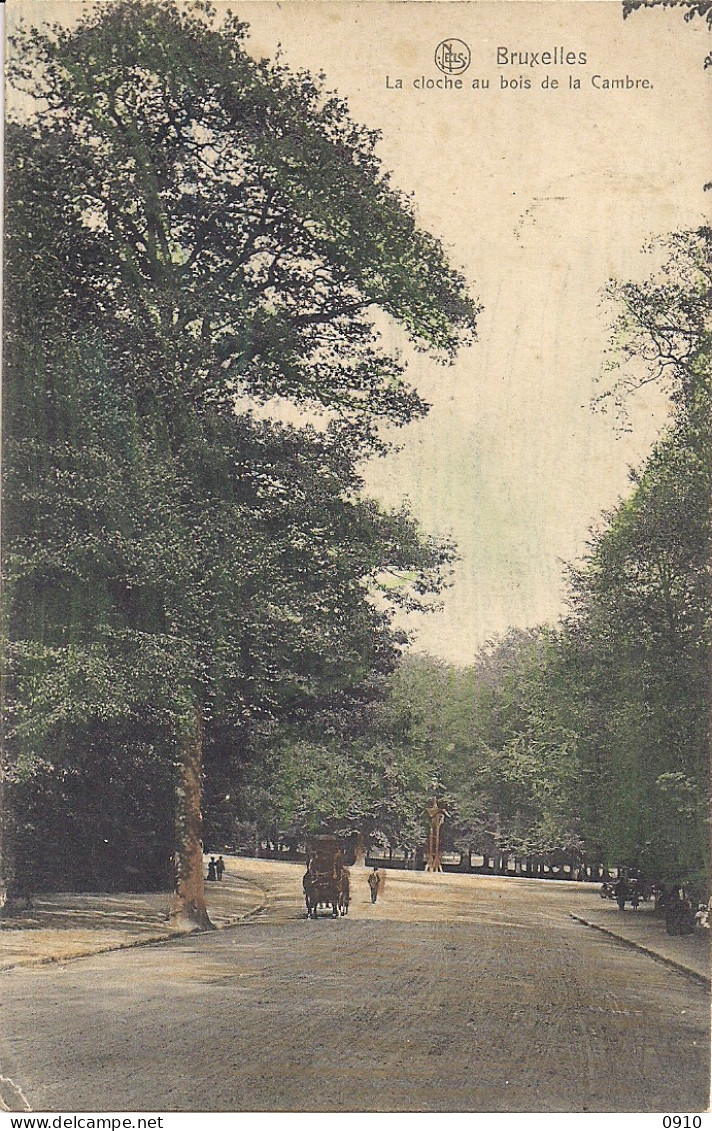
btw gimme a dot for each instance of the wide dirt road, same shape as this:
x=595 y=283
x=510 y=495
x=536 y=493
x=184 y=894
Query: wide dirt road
x=451 y=994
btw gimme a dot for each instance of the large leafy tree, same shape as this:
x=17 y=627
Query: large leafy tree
x=188 y=228
x=367 y=790
x=231 y=215
x=506 y=750
x=594 y=736
x=641 y=633
x=641 y=641
x=496 y=737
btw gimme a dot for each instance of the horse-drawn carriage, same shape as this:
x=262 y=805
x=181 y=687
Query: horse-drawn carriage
x=326 y=880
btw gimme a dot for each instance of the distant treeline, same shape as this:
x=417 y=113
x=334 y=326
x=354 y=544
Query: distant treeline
x=192 y=234
x=591 y=737
x=189 y=588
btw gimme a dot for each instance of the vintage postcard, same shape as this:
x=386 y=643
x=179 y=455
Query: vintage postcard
x=357 y=466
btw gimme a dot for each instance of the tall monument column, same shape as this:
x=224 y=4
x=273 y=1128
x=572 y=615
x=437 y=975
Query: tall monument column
x=437 y=813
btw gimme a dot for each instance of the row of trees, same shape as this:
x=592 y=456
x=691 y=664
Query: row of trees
x=640 y=634
x=592 y=737
x=492 y=739
x=190 y=232
x=189 y=583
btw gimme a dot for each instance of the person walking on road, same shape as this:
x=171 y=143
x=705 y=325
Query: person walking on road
x=374 y=880
x=620 y=891
x=211 y=868
x=219 y=867
x=635 y=894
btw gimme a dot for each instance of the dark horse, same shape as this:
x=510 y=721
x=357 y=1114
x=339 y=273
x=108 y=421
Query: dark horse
x=318 y=889
x=326 y=880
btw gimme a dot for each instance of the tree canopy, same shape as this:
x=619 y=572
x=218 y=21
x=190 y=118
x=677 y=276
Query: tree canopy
x=593 y=736
x=232 y=214
x=189 y=231
x=641 y=630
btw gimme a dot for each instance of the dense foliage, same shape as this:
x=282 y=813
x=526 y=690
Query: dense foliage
x=592 y=738
x=192 y=236
x=640 y=636
x=188 y=232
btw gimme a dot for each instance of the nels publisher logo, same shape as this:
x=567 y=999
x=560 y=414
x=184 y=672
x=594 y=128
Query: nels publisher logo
x=452 y=56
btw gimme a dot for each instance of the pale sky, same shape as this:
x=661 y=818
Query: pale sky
x=539 y=196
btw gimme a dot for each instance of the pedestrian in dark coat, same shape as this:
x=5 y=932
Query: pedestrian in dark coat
x=211 y=868
x=373 y=881
x=219 y=867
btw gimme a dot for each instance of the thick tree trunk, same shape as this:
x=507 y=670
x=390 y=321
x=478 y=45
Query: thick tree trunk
x=188 y=904
x=3 y=863
x=360 y=851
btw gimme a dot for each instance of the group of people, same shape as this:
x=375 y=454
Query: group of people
x=216 y=868
x=675 y=903
x=628 y=889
